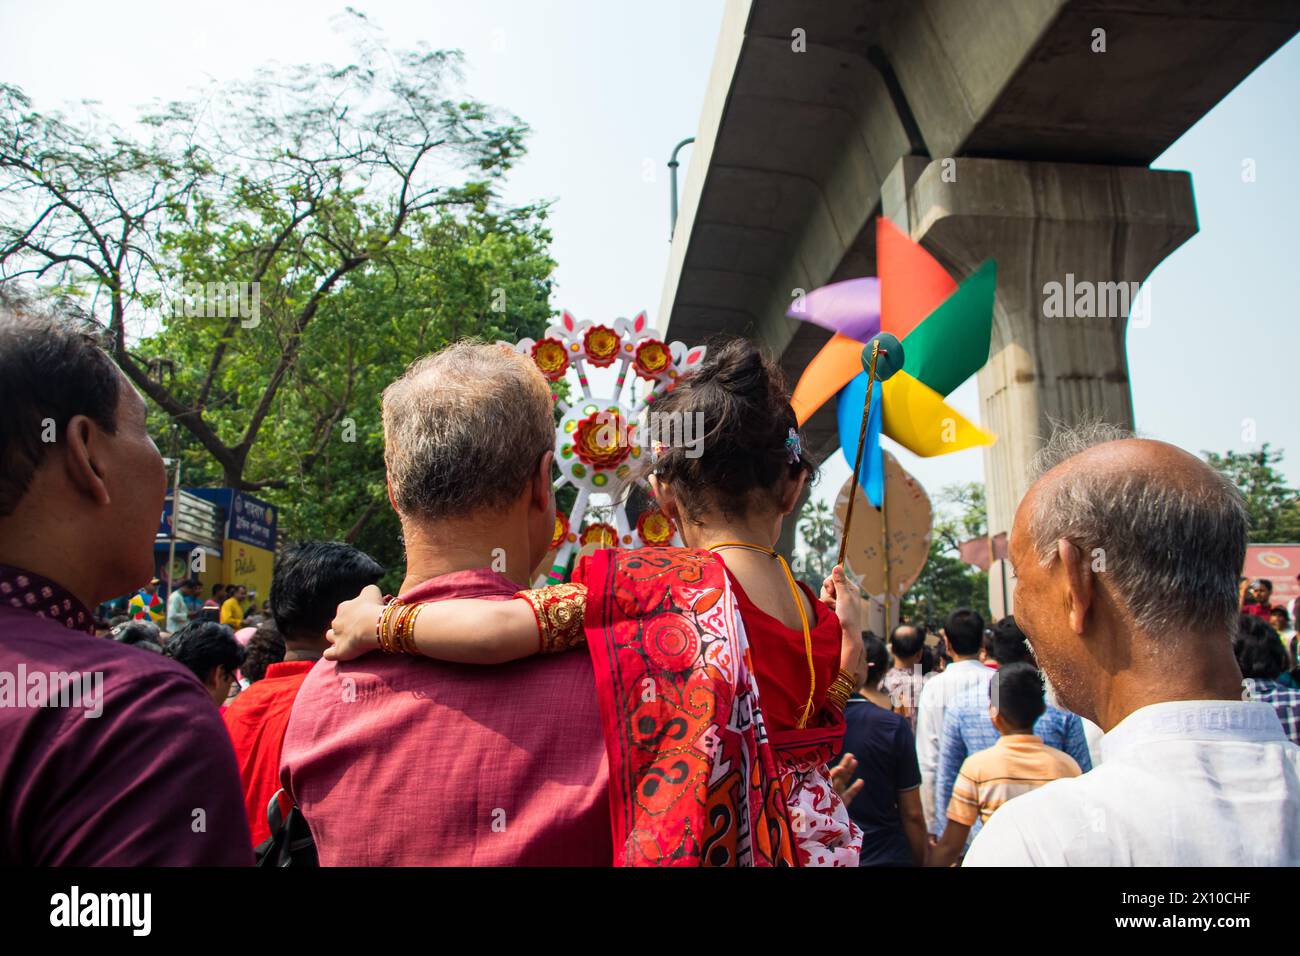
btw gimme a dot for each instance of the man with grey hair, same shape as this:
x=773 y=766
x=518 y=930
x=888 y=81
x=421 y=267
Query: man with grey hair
x=1127 y=553
x=408 y=761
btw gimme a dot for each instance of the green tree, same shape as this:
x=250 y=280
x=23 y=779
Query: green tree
x=293 y=188
x=813 y=563
x=359 y=202
x=946 y=582
x=1272 y=506
x=323 y=439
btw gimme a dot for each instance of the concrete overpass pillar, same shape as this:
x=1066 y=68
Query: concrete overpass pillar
x=1072 y=244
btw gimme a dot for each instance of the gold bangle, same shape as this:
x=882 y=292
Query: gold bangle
x=841 y=689
x=408 y=632
x=381 y=628
x=399 y=628
x=386 y=626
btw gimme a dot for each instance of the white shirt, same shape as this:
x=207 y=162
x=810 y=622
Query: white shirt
x=1093 y=735
x=944 y=688
x=178 y=612
x=1183 y=783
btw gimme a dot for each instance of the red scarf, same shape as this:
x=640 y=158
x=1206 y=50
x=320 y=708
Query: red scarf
x=694 y=780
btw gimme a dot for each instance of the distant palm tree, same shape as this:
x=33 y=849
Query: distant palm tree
x=817 y=526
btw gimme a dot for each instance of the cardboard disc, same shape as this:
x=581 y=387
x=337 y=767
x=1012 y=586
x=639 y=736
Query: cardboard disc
x=909 y=515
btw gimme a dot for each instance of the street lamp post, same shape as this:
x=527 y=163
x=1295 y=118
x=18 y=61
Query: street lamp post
x=171 y=547
x=672 y=169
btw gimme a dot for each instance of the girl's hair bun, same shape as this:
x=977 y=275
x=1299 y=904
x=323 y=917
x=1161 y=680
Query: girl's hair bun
x=738 y=398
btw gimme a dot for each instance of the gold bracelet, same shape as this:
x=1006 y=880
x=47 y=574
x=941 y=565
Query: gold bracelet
x=399 y=629
x=841 y=689
x=407 y=634
x=386 y=626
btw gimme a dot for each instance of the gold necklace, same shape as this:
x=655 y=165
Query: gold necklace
x=803 y=617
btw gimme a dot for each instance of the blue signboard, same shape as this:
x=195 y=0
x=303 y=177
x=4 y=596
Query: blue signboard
x=252 y=521
x=246 y=519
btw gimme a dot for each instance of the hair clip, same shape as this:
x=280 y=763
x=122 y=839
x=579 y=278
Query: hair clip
x=658 y=449
x=795 y=446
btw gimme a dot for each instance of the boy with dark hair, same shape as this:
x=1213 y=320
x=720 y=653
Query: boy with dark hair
x=81 y=489
x=211 y=653
x=1018 y=763
x=310 y=581
x=964 y=632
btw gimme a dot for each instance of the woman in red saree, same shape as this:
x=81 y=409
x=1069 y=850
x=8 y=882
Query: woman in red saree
x=721 y=680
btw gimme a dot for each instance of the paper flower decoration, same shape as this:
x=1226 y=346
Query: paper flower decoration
x=652 y=358
x=601 y=345
x=561 y=529
x=551 y=358
x=596 y=440
x=654 y=528
x=602 y=439
x=600 y=534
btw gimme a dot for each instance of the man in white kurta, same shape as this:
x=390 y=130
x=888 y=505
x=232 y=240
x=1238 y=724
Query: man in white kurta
x=1127 y=554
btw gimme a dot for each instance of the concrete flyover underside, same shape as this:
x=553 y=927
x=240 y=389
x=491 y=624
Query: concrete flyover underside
x=822 y=114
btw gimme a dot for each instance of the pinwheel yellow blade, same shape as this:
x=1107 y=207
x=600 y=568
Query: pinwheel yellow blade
x=917 y=417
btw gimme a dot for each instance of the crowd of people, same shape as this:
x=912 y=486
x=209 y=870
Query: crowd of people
x=922 y=798
x=230 y=604
x=667 y=706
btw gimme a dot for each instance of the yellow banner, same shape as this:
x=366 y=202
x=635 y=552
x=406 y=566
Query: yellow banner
x=250 y=566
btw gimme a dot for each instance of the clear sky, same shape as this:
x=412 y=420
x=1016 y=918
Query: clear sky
x=609 y=86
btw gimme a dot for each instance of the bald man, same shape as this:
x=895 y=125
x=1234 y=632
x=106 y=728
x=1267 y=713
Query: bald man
x=1127 y=554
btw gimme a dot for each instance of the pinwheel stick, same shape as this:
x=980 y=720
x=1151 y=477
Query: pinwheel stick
x=862 y=443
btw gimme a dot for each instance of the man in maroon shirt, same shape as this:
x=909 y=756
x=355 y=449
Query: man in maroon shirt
x=400 y=761
x=109 y=754
x=311 y=579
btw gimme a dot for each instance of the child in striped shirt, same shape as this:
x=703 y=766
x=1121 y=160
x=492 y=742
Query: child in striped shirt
x=1017 y=763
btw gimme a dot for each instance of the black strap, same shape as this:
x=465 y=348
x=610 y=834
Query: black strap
x=290 y=842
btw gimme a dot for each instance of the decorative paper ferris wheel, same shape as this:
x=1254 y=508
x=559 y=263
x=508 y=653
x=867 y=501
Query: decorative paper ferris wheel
x=597 y=440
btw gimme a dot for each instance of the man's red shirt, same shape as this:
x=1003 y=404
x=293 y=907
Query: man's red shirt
x=1258 y=610
x=406 y=761
x=257 y=720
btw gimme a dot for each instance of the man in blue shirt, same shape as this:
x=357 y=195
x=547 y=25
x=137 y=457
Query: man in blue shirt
x=967 y=727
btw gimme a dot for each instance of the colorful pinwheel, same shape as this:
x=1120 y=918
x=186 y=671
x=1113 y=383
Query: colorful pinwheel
x=945 y=330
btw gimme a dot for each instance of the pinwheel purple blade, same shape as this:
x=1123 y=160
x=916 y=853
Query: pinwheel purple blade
x=851 y=307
